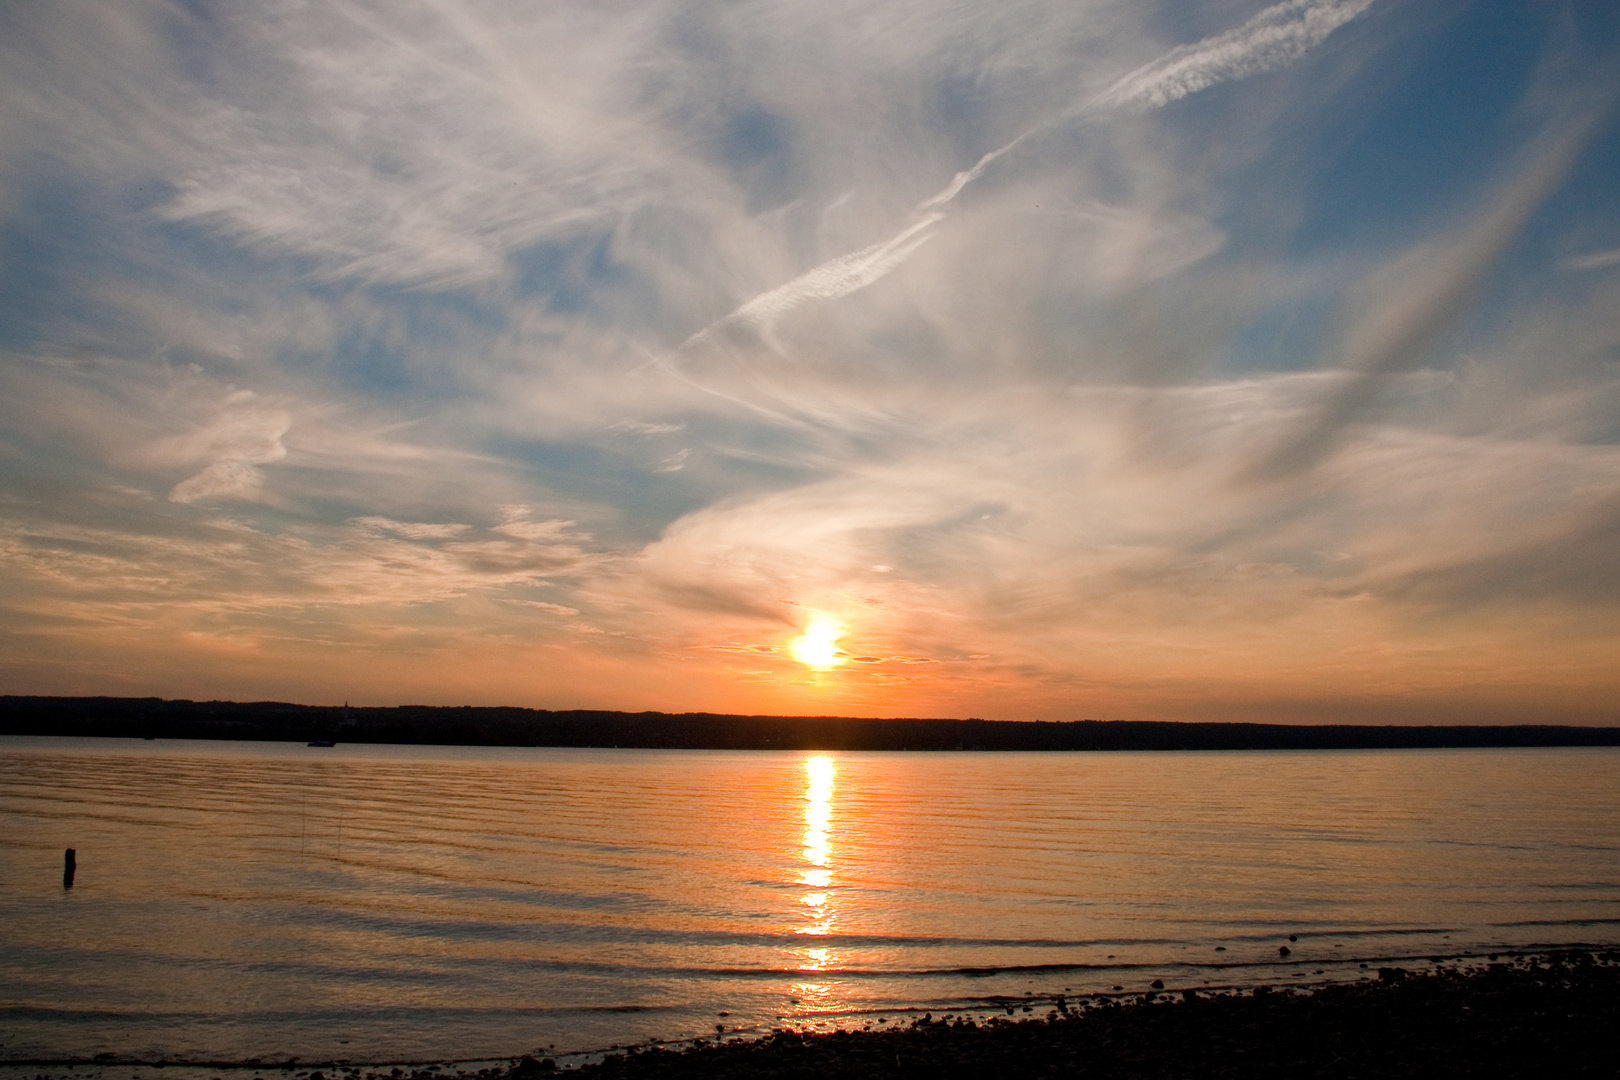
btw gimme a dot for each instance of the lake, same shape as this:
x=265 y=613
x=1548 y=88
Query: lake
x=392 y=903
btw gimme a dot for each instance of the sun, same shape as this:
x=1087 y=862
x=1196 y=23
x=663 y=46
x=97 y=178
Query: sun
x=817 y=647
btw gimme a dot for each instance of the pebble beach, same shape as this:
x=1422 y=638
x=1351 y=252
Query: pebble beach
x=1541 y=1014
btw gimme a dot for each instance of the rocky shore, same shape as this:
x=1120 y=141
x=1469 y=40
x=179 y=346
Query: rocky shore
x=1548 y=1015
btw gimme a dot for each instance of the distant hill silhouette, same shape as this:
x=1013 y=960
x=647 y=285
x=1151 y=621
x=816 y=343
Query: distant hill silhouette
x=470 y=726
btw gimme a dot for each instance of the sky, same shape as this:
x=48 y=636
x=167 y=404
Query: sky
x=1044 y=359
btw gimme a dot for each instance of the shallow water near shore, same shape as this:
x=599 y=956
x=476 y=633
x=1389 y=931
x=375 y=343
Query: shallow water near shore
x=377 y=903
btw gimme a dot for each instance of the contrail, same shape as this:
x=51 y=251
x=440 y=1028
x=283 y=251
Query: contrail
x=1277 y=36
x=829 y=281
x=1408 y=306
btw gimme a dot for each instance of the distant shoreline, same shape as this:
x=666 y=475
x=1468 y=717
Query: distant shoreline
x=157 y=718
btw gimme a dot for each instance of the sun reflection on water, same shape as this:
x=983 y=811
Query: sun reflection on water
x=818 y=852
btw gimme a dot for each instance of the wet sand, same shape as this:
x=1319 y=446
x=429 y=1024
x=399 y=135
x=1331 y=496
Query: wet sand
x=1545 y=1014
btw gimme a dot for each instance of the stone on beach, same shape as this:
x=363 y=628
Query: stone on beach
x=1547 y=1015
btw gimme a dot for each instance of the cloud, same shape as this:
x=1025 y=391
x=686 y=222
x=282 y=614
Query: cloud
x=831 y=280
x=1074 y=536
x=541 y=605
x=226 y=566
x=412 y=530
x=1065 y=403
x=645 y=429
x=1570 y=557
x=516 y=524
x=415 y=144
x=245 y=435
x=675 y=462
x=1277 y=36
x=1597 y=260
x=1401 y=312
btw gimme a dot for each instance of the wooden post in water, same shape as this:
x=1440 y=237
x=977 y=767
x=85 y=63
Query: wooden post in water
x=70 y=863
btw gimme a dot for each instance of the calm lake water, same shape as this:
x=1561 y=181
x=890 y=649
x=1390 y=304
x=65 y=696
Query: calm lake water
x=397 y=903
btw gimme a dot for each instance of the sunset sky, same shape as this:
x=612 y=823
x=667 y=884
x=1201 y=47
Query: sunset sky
x=1122 y=359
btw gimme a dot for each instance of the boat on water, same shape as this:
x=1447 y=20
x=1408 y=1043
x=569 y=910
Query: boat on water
x=322 y=742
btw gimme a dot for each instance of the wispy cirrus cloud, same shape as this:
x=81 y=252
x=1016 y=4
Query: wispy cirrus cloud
x=1279 y=35
x=242 y=437
x=363 y=562
x=329 y=363
x=1597 y=260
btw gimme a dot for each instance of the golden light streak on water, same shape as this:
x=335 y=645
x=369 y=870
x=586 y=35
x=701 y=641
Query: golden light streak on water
x=819 y=908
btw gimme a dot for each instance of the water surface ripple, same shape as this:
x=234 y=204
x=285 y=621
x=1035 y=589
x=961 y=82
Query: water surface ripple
x=395 y=903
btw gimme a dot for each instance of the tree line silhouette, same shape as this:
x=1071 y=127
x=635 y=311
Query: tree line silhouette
x=157 y=718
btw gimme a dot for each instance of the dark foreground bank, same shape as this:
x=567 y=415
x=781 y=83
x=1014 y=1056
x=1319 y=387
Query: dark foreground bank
x=1551 y=1014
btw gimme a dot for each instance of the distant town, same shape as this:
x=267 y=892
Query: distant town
x=157 y=718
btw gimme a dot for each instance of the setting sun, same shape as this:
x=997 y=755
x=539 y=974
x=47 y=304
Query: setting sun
x=817 y=647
